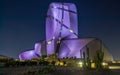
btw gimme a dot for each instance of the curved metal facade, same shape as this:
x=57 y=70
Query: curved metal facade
x=28 y=55
x=61 y=23
x=62 y=35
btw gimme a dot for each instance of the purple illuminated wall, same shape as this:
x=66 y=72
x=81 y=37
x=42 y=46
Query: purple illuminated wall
x=61 y=23
x=72 y=47
x=29 y=54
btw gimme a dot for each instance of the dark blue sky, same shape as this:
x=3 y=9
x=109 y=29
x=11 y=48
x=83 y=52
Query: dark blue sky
x=22 y=23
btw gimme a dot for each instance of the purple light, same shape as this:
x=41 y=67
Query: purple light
x=28 y=55
x=59 y=22
x=62 y=35
x=73 y=47
x=38 y=48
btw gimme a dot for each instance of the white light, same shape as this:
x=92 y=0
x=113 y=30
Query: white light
x=49 y=42
x=71 y=30
x=31 y=52
x=80 y=63
x=53 y=37
x=104 y=63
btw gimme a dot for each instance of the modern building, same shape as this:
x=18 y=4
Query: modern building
x=62 y=36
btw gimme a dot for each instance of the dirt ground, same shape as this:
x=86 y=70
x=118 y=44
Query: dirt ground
x=33 y=70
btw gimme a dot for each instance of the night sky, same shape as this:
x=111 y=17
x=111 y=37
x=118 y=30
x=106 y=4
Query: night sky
x=22 y=23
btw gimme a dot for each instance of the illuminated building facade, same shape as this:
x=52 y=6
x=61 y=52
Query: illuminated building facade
x=62 y=35
x=61 y=23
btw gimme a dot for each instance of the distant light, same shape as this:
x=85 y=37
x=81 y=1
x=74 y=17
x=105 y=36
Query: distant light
x=53 y=37
x=49 y=42
x=114 y=67
x=71 y=30
x=104 y=63
x=80 y=64
x=61 y=63
x=57 y=63
x=92 y=65
x=31 y=53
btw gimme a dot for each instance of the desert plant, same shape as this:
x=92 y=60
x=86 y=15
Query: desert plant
x=88 y=59
x=84 y=62
x=98 y=59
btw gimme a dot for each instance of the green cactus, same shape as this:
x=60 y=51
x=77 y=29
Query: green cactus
x=88 y=59
x=84 y=62
x=98 y=59
x=87 y=51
